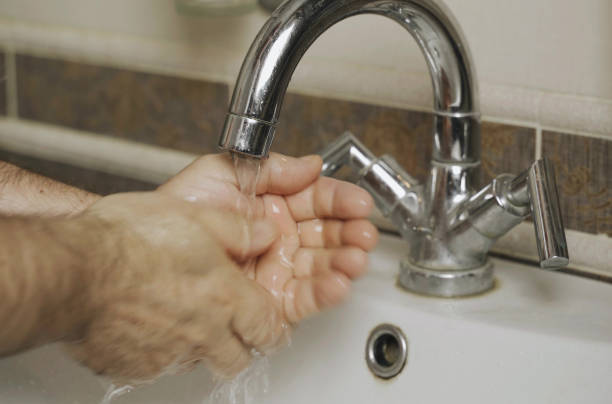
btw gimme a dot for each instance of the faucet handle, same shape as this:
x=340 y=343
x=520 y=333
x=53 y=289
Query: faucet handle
x=396 y=194
x=537 y=187
x=546 y=212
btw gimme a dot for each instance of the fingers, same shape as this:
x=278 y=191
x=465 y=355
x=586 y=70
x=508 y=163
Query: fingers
x=257 y=321
x=228 y=358
x=330 y=198
x=336 y=233
x=240 y=237
x=279 y=174
x=275 y=267
x=284 y=175
x=312 y=262
x=305 y=297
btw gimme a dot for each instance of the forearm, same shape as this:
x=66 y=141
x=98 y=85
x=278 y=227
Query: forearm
x=23 y=193
x=42 y=280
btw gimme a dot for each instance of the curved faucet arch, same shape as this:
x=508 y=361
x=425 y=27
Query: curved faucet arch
x=291 y=30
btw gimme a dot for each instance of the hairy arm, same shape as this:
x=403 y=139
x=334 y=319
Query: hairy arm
x=138 y=283
x=42 y=283
x=23 y=193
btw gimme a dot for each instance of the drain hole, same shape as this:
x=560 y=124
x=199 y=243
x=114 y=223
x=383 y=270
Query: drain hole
x=386 y=350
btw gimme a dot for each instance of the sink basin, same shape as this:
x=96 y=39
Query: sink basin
x=537 y=337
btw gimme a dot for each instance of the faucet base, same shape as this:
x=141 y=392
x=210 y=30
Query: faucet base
x=445 y=283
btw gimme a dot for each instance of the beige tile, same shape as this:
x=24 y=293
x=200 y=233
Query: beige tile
x=563 y=112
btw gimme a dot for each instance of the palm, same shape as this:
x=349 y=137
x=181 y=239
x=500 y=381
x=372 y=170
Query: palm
x=323 y=234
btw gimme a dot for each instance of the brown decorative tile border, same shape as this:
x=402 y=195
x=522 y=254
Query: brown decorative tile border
x=89 y=180
x=506 y=149
x=584 y=174
x=307 y=124
x=167 y=111
x=3 y=84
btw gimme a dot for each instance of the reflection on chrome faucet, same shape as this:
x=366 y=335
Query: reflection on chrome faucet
x=449 y=225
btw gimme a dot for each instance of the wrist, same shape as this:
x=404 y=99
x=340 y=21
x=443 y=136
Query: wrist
x=44 y=284
x=86 y=256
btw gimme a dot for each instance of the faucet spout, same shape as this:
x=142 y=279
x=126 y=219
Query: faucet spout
x=425 y=214
x=283 y=40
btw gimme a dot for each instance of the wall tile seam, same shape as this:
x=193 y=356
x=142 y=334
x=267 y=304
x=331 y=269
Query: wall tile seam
x=562 y=131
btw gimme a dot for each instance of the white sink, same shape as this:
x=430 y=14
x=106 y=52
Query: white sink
x=539 y=337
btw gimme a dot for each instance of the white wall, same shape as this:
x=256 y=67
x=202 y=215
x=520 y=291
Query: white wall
x=545 y=63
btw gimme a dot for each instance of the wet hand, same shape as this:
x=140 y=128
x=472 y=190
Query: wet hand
x=163 y=292
x=324 y=233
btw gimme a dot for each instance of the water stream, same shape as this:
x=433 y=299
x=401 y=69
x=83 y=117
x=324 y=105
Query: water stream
x=247 y=174
x=254 y=380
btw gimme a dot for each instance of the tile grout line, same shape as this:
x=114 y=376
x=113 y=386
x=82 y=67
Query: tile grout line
x=578 y=133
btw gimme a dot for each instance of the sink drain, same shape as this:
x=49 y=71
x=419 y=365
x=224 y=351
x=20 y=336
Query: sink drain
x=386 y=351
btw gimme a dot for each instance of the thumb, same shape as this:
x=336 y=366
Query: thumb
x=284 y=175
x=240 y=237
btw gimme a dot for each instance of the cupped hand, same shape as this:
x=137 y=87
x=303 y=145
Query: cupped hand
x=161 y=291
x=324 y=233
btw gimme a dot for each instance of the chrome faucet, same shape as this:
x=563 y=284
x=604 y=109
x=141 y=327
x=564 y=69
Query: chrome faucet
x=450 y=226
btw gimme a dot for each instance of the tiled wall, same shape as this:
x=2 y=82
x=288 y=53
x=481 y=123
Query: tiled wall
x=187 y=114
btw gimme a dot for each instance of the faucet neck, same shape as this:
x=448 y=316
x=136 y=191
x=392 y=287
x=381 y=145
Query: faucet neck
x=283 y=40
